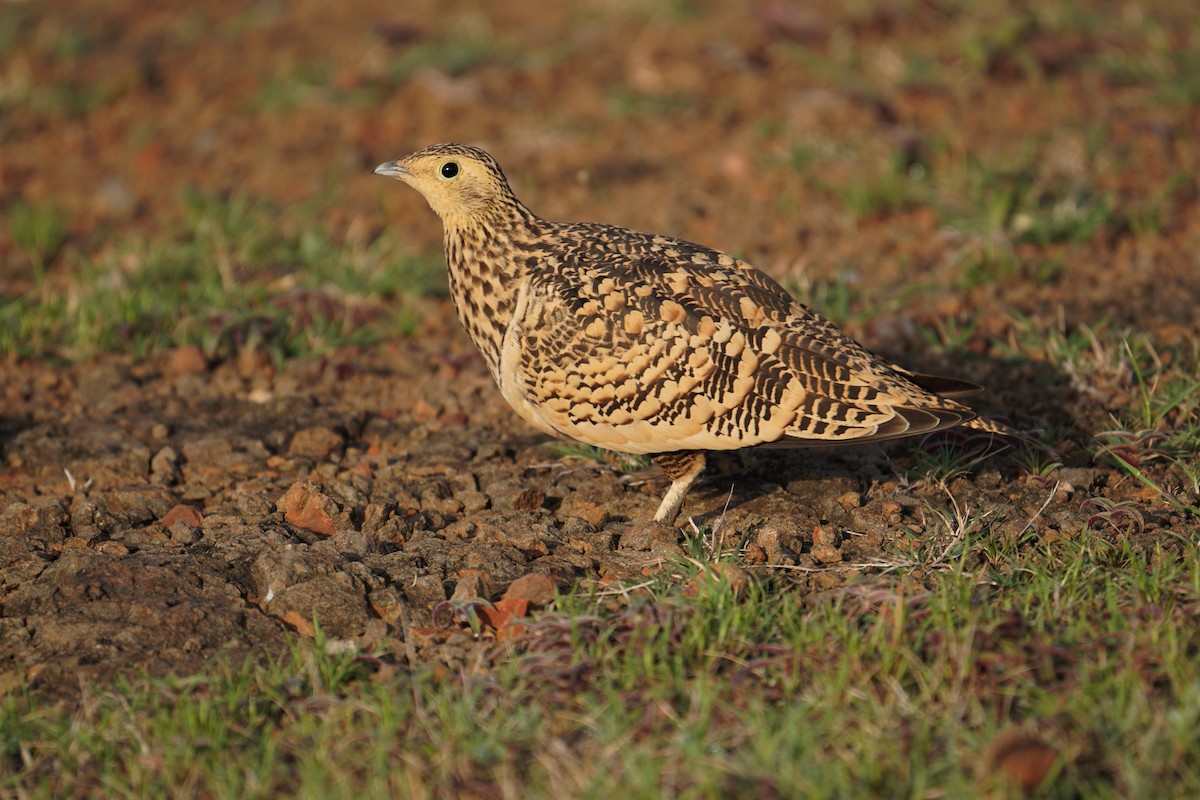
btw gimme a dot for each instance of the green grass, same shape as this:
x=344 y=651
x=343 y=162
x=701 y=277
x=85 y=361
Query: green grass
x=1015 y=204
x=1154 y=435
x=942 y=459
x=630 y=105
x=454 y=54
x=1157 y=440
x=622 y=462
x=700 y=686
x=897 y=187
x=40 y=231
x=237 y=273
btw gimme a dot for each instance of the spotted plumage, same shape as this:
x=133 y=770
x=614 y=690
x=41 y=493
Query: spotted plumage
x=648 y=344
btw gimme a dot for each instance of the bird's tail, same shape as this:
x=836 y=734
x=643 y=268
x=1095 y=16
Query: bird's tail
x=1000 y=429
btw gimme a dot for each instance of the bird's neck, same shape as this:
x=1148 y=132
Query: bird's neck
x=487 y=270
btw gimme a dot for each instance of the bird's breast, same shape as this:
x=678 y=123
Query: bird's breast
x=484 y=282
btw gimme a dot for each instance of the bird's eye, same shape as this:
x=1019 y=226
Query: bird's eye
x=449 y=169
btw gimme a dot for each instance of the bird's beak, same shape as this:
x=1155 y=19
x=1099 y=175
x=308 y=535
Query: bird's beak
x=391 y=169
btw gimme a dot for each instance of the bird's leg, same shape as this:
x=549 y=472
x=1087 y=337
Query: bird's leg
x=682 y=467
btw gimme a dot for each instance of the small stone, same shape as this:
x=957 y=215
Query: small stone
x=183 y=513
x=1081 y=478
x=536 y=588
x=44 y=521
x=164 y=467
x=387 y=602
x=136 y=505
x=186 y=359
x=826 y=545
x=753 y=554
x=528 y=500
x=424 y=411
x=576 y=527
x=375 y=515
x=425 y=591
x=826 y=537
x=184 y=534
x=470 y=587
x=850 y=500
x=576 y=505
x=253 y=508
x=348 y=542
x=473 y=501
x=317 y=443
x=305 y=505
x=652 y=536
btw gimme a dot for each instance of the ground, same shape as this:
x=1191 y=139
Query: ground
x=236 y=399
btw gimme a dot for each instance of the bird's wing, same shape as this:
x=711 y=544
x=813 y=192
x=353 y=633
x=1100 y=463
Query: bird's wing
x=657 y=345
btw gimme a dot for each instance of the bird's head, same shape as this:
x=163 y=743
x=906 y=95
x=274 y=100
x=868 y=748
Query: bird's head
x=462 y=184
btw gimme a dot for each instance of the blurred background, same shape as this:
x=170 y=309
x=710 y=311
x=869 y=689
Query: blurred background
x=175 y=174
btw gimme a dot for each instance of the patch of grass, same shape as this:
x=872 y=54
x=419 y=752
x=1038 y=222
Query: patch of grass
x=293 y=86
x=899 y=186
x=899 y=182
x=14 y=24
x=1156 y=440
x=1036 y=463
x=842 y=298
x=455 y=54
x=946 y=456
x=922 y=71
x=952 y=334
x=39 y=230
x=1070 y=216
x=75 y=43
x=628 y=104
x=622 y=462
x=1087 y=354
x=237 y=274
x=1151 y=54
x=1014 y=205
x=713 y=683
x=804 y=156
x=1153 y=433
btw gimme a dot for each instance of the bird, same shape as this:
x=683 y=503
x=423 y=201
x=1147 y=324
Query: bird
x=649 y=344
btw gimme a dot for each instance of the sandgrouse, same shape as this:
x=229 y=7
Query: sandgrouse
x=647 y=344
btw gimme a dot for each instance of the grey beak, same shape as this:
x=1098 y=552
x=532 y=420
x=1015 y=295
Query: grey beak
x=391 y=169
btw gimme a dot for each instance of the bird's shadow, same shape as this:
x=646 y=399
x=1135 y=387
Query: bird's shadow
x=10 y=428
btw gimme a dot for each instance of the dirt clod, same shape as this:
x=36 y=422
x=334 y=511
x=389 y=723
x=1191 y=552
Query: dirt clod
x=1021 y=758
x=536 y=589
x=317 y=442
x=306 y=505
x=187 y=359
x=826 y=546
x=189 y=515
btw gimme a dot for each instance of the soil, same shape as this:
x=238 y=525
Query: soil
x=164 y=512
